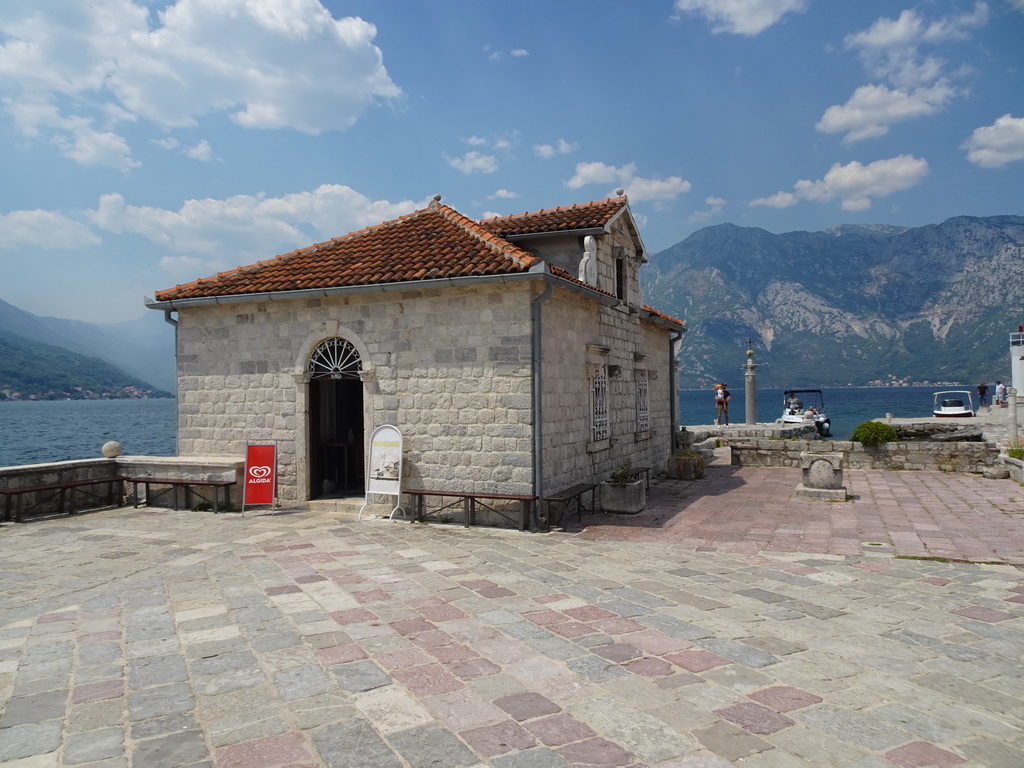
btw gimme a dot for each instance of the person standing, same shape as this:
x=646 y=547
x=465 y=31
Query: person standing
x=722 y=398
x=1000 y=395
x=982 y=395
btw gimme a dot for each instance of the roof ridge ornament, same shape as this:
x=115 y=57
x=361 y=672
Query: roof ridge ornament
x=435 y=202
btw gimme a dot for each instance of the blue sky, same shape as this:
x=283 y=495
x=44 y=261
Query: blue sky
x=145 y=143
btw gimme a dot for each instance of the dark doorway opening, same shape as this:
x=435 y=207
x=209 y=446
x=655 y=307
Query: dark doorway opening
x=336 y=438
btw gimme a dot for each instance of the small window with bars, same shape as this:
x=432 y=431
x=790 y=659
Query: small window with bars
x=599 y=404
x=643 y=414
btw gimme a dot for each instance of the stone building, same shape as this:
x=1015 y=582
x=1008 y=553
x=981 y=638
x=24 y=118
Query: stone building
x=515 y=354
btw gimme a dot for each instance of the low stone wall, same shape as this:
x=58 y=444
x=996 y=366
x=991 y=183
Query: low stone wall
x=192 y=468
x=1015 y=467
x=944 y=457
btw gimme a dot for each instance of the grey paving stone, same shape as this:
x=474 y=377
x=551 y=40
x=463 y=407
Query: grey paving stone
x=300 y=682
x=224 y=662
x=41 y=654
x=853 y=727
x=97 y=745
x=431 y=746
x=245 y=677
x=595 y=669
x=156 y=670
x=34 y=708
x=176 y=750
x=99 y=672
x=763 y=595
x=741 y=654
x=158 y=630
x=354 y=744
x=276 y=641
x=30 y=687
x=163 y=700
x=162 y=726
x=813 y=610
x=682 y=630
x=360 y=676
x=100 y=653
x=29 y=739
x=539 y=757
x=215 y=648
x=730 y=742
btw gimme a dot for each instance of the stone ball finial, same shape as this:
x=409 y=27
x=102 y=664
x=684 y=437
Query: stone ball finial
x=437 y=197
x=111 y=449
x=750 y=353
x=620 y=192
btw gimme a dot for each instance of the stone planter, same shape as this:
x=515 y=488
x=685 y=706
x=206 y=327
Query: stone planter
x=625 y=499
x=685 y=466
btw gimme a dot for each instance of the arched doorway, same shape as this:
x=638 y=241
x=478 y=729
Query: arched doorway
x=335 y=420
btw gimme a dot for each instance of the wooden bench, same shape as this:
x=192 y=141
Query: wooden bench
x=64 y=490
x=469 y=503
x=645 y=471
x=572 y=495
x=174 y=483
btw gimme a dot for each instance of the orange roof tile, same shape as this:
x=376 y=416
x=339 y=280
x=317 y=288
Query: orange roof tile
x=591 y=215
x=435 y=242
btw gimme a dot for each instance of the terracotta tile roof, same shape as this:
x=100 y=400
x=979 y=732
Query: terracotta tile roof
x=435 y=242
x=582 y=216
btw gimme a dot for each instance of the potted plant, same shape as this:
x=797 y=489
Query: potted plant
x=686 y=464
x=622 y=493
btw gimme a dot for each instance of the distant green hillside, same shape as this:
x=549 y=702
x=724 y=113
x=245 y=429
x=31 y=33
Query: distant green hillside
x=33 y=371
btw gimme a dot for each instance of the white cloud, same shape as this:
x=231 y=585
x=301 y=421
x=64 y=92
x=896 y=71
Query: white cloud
x=637 y=187
x=873 y=108
x=715 y=206
x=520 y=52
x=740 y=17
x=43 y=229
x=476 y=141
x=1018 y=4
x=854 y=184
x=200 y=151
x=474 y=162
x=890 y=51
x=503 y=194
x=560 y=147
x=262 y=62
x=242 y=228
x=993 y=146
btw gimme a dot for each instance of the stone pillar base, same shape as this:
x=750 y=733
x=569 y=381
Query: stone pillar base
x=821 y=494
x=822 y=477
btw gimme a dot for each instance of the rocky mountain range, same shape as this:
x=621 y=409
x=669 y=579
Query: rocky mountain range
x=849 y=305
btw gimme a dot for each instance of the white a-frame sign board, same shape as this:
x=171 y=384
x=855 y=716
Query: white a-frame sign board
x=384 y=467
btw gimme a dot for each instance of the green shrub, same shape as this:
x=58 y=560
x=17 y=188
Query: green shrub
x=1015 y=449
x=624 y=474
x=874 y=433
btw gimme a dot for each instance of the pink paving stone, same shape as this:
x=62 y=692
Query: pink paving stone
x=428 y=679
x=453 y=571
x=353 y=616
x=100 y=637
x=266 y=752
x=300 y=546
x=446 y=654
x=275 y=548
x=495 y=592
x=285 y=589
x=1015 y=599
x=411 y=626
x=314 y=577
x=550 y=598
x=340 y=654
x=697 y=660
x=491 y=740
x=463 y=709
x=48 y=618
x=589 y=613
x=557 y=730
x=875 y=567
x=442 y=612
x=346 y=578
x=784 y=698
x=471 y=668
x=434 y=639
x=408 y=657
x=618 y=626
x=936 y=581
x=657 y=643
x=423 y=602
x=371 y=596
x=918 y=754
x=755 y=718
x=572 y=629
x=617 y=652
x=649 y=667
x=249 y=557
x=105 y=689
x=982 y=614
x=596 y=753
x=527 y=705
x=545 y=618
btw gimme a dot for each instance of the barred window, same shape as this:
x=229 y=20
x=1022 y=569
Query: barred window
x=643 y=415
x=599 y=404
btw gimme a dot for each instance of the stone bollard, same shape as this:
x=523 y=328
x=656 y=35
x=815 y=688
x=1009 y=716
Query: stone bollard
x=821 y=477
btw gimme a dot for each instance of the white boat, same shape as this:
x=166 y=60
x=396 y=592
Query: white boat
x=806 y=406
x=953 y=404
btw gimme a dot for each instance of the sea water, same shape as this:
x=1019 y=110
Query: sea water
x=60 y=430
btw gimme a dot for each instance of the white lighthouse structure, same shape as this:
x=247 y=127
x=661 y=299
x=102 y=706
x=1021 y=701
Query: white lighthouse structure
x=1017 y=358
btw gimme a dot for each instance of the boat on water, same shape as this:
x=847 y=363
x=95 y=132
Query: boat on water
x=806 y=406
x=953 y=404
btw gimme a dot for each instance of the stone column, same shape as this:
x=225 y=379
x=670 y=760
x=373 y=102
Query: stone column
x=1011 y=403
x=750 y=380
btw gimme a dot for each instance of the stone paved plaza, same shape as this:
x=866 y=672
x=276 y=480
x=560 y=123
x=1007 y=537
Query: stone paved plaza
x=160 y=639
